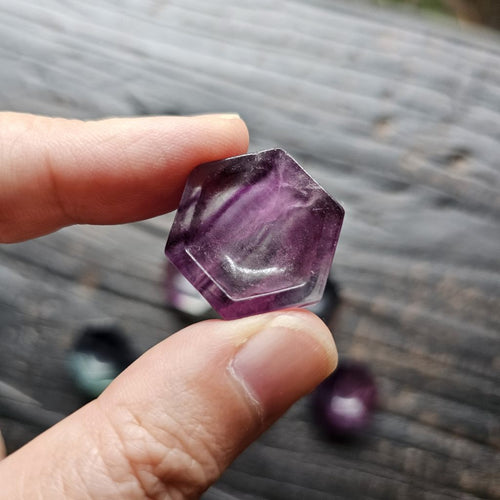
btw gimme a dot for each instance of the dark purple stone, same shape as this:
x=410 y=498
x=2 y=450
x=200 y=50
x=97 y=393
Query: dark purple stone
x=344 y=402
x=255 y=233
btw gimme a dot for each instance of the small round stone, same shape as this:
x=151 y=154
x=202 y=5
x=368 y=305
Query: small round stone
x=344 y=403
x=100 y=353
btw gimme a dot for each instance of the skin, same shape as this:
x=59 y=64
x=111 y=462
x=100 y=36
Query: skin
x=170 y=424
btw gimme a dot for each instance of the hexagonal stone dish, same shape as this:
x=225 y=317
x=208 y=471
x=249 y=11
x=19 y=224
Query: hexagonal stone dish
x=255 y=233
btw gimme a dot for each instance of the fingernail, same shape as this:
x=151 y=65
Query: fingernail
x=228 y=116
x=221 y=116
x=284 y=361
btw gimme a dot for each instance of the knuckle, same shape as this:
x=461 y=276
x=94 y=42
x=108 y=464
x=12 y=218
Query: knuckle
x=166 y=459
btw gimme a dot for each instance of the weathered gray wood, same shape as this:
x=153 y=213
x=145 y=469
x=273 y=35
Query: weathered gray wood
x=396 y=117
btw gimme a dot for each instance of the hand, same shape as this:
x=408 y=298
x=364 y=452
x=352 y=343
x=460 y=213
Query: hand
x=173 y=421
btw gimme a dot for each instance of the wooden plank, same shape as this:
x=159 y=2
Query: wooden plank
x=396 y=117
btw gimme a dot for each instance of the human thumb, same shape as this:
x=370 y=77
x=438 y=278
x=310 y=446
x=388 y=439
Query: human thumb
x=175 y=419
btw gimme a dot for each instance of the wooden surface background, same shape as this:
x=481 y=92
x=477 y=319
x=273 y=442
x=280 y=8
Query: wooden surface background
x=398 y=118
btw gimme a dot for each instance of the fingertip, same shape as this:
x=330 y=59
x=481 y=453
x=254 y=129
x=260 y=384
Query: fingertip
x=284 y=360
x=103 y=172
x=296 y=319
x=231 y=129
x=311 y=324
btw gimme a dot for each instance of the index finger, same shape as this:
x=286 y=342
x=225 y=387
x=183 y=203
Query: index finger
x=55 y=172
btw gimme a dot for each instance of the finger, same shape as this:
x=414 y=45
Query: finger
x=174 y=420
x=56 y=172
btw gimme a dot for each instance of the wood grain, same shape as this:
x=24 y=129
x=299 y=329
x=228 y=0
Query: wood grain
x=397 y=117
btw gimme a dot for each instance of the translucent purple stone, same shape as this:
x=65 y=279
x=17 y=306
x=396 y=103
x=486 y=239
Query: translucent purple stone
x=255 y=233
x=344 y=403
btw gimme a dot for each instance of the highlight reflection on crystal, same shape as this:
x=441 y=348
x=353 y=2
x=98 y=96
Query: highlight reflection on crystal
x=255 y=233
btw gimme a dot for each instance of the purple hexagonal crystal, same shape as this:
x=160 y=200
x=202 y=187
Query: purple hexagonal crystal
x=255 y=233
